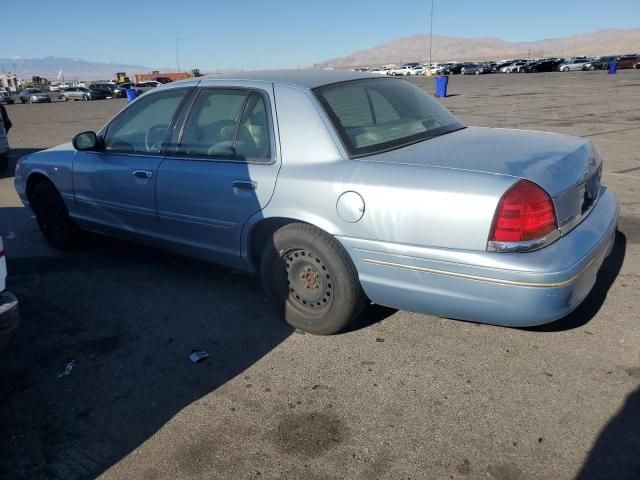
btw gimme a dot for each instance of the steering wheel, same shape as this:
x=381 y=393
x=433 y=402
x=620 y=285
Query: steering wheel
x=154 y=138
x=431 y=123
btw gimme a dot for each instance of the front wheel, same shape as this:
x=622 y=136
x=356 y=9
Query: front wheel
x=311 y=279
x=53 y=217
x=85 y=98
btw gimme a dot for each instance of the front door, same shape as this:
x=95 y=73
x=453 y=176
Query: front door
x=223 y=172
x=116 y=186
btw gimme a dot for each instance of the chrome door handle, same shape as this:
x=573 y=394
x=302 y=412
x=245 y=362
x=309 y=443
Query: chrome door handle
x=245 y=184
x=142 y=173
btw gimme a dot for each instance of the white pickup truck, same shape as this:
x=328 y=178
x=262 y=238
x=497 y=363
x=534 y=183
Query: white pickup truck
x=8 y=303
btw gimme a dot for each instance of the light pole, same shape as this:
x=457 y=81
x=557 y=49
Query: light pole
x=177 y=56
x=431 y=35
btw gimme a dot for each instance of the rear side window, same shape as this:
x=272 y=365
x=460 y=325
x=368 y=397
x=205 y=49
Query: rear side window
x=376 y=115
x=229 y=124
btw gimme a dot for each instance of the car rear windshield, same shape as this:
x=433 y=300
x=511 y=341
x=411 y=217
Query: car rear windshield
x=377 y=115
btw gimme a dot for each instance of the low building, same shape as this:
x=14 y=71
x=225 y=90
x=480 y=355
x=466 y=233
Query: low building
x=163 y=77
x=9 y=81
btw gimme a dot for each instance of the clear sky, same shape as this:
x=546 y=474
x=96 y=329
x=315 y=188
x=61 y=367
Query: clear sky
x=254 y=34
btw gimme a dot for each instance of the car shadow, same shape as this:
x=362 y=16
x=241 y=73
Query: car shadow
x=14 y=155
x=101 y=360
x=616 y=451
x=591 y=306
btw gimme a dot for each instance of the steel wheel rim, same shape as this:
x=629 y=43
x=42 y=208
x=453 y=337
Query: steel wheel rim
x=309 y=282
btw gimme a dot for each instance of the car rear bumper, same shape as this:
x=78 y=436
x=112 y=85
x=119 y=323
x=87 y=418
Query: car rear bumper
x=511 y=289
x=9 y=318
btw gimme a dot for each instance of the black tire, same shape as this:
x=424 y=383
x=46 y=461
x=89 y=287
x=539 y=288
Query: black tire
x=311 y=279
x=22 y=100
x=85 y=98
x=53 y=217
x=4 y=163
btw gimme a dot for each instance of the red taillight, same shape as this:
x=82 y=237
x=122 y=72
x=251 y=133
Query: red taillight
x=525 y=212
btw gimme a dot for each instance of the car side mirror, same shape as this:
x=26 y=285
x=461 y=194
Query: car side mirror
x=85 y=141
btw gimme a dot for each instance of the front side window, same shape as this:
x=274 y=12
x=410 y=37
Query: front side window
x=142 y=127
x=227 y=123
x=376 y=115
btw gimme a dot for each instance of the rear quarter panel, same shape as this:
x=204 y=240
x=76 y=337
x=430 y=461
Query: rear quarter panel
x=406 y=204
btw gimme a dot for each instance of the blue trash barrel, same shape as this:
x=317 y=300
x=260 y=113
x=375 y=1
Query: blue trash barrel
x=131 y=95
x=613 y=66
x=441 y=85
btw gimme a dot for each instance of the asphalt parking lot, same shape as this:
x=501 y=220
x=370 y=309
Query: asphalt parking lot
x=397 y=396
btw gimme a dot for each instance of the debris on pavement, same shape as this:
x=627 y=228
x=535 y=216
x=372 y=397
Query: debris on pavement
x=67 y=369
x=198 y=356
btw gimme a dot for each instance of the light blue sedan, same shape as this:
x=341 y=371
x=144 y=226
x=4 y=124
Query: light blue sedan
x=341 y=188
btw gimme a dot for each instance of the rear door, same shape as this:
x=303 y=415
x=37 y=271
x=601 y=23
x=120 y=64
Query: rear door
x=223 y=170
x=116 y=186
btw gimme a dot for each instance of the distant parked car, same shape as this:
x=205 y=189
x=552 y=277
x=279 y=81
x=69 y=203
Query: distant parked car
x=341 y=188
x=120 y=89
x=515 y=67
x=453 y=68
x=405 y=69
x=34 y=95
x=475 y=69
x=380 y=71
x=629 y=61
x=8 y=303
x=434 y=69
x=82 y=93
x=98 y=92
x=572 y=65
x=107 y=87
x=541 y=66
x=597 y=63
x=6 y=97
x=142 y=87
x=500 y=65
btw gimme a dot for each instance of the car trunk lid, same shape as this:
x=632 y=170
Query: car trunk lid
x=566 y=167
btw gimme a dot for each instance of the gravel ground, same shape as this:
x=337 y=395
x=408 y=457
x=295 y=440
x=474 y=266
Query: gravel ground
x=399 y=395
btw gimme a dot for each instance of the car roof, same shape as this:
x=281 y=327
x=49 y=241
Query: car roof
x=307 y=79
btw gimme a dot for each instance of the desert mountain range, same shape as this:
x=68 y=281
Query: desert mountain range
x=416 y=48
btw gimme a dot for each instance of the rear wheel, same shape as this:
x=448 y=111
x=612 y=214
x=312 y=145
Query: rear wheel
x=85 y=98
x=4 y=163
x=311 y=279
x=53 y=217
